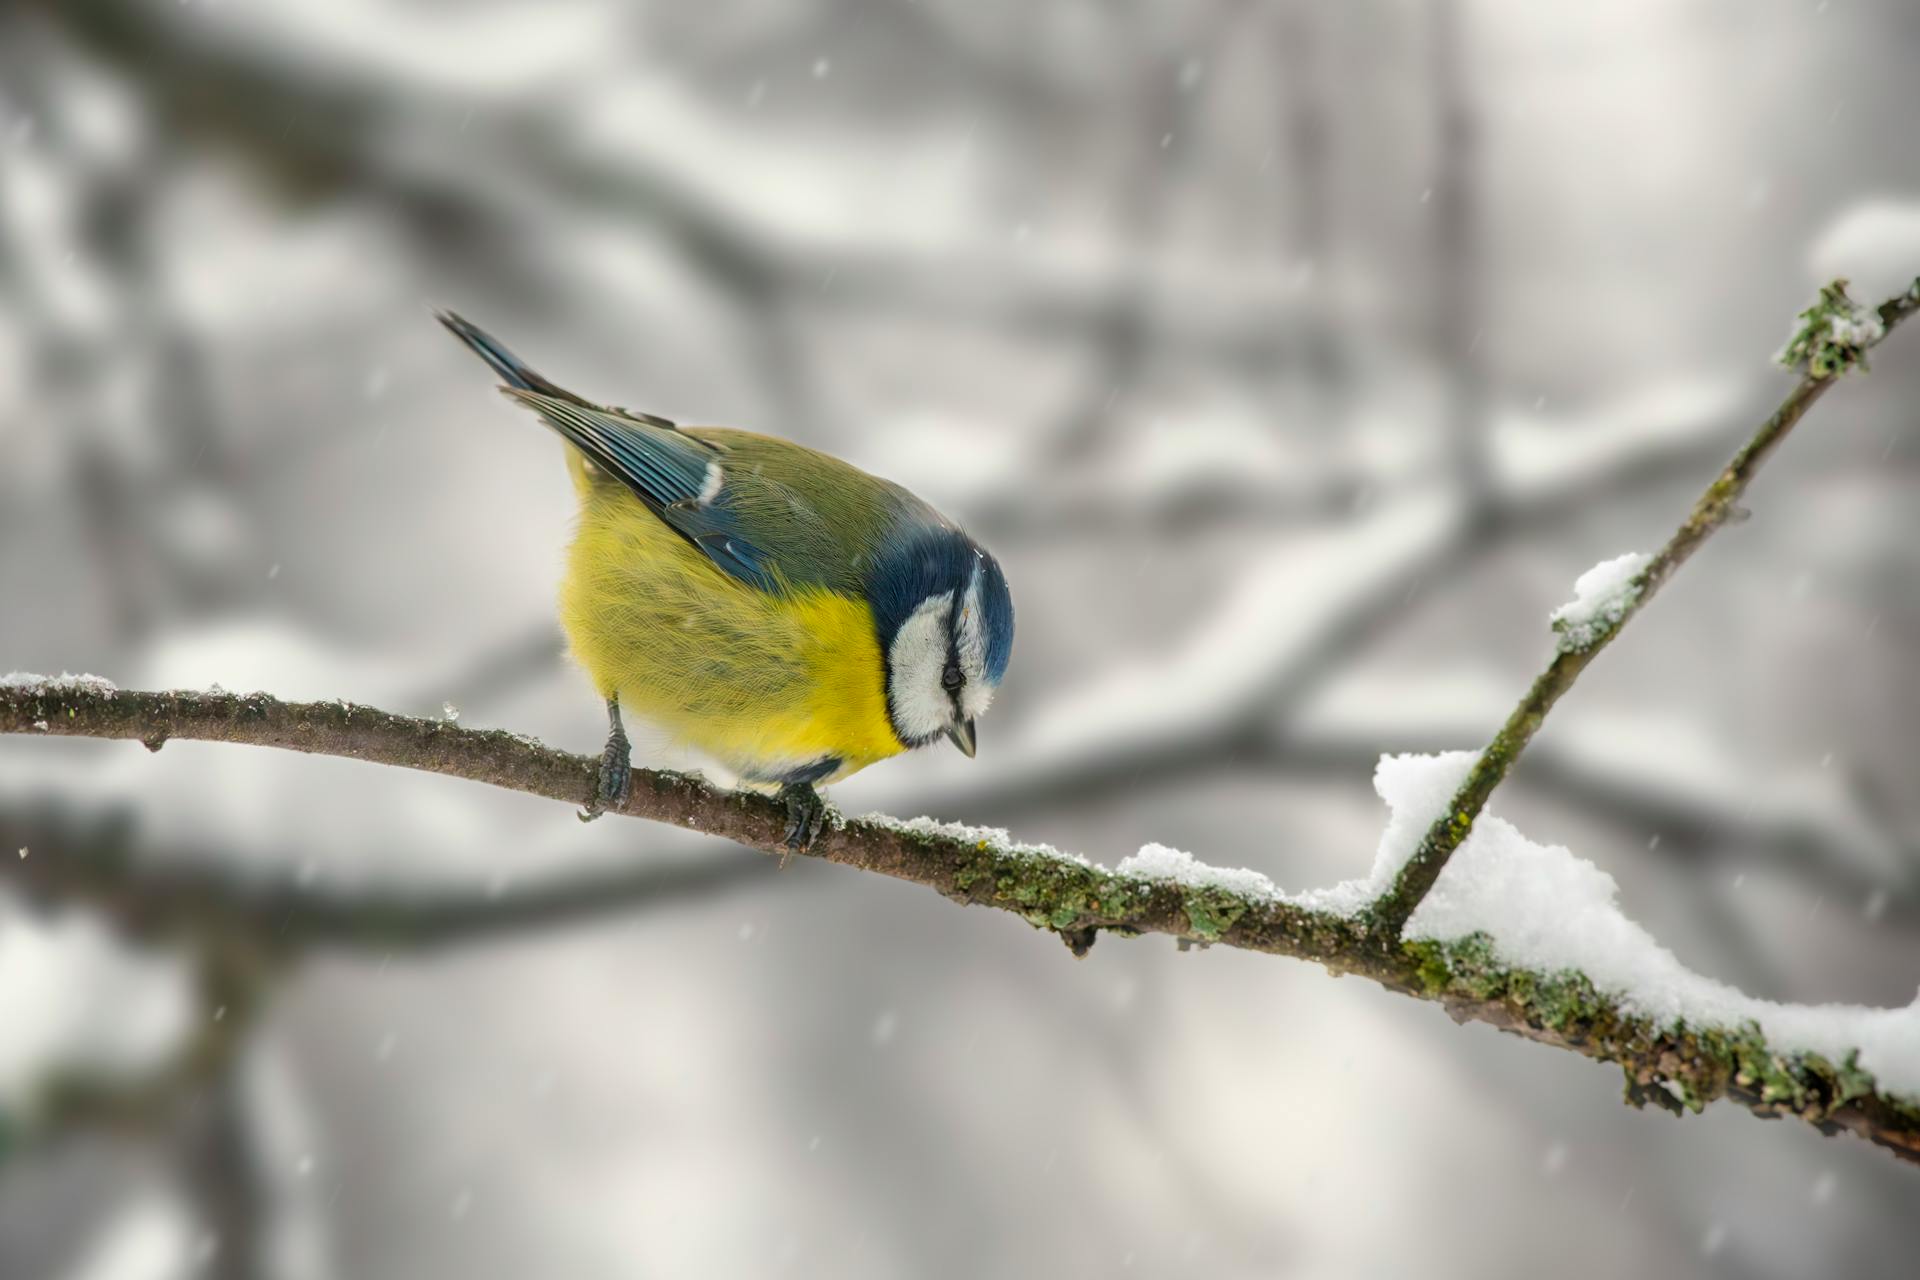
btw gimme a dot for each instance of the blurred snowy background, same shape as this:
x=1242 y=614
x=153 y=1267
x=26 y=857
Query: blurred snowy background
x=1292 y=357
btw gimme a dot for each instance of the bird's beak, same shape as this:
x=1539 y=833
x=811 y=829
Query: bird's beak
x=961 y=735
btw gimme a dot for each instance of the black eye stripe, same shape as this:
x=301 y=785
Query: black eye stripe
x=950 y=678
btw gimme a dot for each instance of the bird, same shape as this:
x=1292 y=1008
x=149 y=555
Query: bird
x=779 y=611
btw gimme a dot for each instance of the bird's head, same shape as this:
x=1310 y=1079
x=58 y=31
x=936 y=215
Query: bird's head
x=945 y=623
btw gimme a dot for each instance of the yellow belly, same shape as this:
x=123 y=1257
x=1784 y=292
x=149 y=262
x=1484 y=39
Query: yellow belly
x=761 y=683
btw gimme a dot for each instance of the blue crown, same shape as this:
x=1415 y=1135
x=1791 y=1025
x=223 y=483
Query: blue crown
x=933 y=560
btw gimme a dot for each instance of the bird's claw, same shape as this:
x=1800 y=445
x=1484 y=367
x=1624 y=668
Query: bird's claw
x=614 y=783
x=806 y=818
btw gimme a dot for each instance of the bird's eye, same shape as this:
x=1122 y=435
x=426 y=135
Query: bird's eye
x=951 y=679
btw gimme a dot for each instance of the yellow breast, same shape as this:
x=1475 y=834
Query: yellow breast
x=763 y=683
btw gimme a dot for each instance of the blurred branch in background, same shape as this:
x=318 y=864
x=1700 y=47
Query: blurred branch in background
x=173 y=894
x=1457 y=319
x=325 y=133
x=243 y=937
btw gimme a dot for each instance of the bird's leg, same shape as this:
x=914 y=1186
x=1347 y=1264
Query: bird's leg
x=615 y=782
x=806 y=817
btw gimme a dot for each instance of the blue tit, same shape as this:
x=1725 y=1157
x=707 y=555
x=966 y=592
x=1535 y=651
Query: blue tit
x=769 y=606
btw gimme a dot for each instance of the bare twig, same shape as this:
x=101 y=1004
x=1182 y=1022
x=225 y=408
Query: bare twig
x=1824 y=361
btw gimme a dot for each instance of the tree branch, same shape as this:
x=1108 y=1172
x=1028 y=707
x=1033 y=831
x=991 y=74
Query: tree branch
x=1827 y=345
x=1073 y=898
x=1671 y=1063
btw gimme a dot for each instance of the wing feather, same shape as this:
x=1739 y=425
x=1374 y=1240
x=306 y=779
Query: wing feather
x=681 y=478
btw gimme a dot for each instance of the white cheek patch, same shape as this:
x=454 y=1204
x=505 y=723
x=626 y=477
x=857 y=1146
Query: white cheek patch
x=971 y=643
x=920 y=706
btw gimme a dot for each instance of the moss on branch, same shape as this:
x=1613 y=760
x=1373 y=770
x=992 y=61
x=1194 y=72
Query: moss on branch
x=1677 y=1066
x=1049 y=890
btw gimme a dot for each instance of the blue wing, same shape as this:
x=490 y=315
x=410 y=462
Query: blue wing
x=515 y=372
x=681 y=479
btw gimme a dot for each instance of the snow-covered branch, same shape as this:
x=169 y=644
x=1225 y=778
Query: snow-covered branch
x=1524 y=937
x=1593 y=982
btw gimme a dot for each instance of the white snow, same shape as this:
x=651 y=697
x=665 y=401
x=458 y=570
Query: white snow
x=1549 y=911
x=1158 y=862
x=1601 y=597
x=1875 y=245
x=1862 y=328
x=1675 y=761
x=1545 y=910
x=65 y=680
x=996 y=838
x=1413 y=799
x=77 y=1000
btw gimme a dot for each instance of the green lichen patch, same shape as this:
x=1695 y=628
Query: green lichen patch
x=1211 y=912
x=1069 y=895
x=1832 y=336
x=1675 y=1066
x=1049 y=892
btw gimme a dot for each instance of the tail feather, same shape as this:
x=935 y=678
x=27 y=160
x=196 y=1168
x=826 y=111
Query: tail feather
x=511 y=369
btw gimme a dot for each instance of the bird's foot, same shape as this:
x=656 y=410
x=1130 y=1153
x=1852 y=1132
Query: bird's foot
x=806 y=817
x=614 y=783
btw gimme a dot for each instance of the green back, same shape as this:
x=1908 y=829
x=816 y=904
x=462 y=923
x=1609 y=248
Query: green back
x=819 y=520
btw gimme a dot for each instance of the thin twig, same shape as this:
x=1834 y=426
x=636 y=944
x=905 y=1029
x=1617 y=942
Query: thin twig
x=1714 y=508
